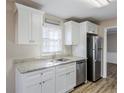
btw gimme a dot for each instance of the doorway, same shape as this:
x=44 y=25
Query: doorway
x=112 y=52
x=107 y=30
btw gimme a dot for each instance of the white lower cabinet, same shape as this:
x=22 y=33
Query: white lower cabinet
x=61 y=83
x=35 y=88
x=65 y=77
x=48 y=82
x=71 y=80
x=36 y=82
x=59 y=79
x=48 y=86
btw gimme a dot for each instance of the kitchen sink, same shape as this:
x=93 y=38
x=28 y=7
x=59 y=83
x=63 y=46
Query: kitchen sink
x=62 y=59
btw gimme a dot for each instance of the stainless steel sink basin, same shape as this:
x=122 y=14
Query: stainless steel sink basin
x=62 y=59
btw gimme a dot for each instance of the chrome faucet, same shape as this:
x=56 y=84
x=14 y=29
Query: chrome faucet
x=54 y=56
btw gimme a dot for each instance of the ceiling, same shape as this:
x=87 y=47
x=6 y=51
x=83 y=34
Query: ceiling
x=78 y=8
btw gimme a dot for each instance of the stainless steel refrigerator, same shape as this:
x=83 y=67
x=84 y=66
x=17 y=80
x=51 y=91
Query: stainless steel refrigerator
x=94 y=57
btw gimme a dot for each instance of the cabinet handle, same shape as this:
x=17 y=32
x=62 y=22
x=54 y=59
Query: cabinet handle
x=40 y=83
x=46 y=80
x=43 y=81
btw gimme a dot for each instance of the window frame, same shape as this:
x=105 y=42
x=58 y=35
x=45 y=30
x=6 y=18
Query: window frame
x=52 y=53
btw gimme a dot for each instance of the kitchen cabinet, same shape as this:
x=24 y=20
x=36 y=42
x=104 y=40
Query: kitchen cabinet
x=80 y=50
x=36 y=82
x=61 y=83
x=65 y=77
x=59 y=79
x=72 y=32
x=48 y=81
x=71 y=77
x=28 y=24
x=91 y=27
x=35 y=88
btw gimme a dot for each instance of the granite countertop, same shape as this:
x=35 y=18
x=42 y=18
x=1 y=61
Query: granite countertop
x=34 y=65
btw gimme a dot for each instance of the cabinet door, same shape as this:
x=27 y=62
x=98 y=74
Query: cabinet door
x=48 y=86
x=72 y=32
x=71 y=80
x=48 y=81
x=95 y=29
x=35 y=88
x=71 y=76
x=75 y=33
x=23 y=26
x=81 y=49
x=91 y=27
x=84 y=43
x=28 y=25
x=32 y=82
x=61 y=83
x=35 y=28
x=68 y=34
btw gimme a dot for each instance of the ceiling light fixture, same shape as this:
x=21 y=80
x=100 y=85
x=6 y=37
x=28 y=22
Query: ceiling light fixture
x=99 y=3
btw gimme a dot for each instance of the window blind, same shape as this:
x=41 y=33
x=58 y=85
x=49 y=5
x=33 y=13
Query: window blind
x=51 y=38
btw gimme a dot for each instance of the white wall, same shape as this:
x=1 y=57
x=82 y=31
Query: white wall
x=103 y=33
x=14 y=51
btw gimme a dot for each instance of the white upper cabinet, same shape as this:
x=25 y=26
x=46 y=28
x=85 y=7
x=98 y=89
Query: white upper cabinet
x=80 y=50
x=28 y=24
x=72 y=32
x=35 y=28
x=91 y=27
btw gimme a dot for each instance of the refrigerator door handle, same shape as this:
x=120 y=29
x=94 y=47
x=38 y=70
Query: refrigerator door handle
x=94 y=55
x=96 y=50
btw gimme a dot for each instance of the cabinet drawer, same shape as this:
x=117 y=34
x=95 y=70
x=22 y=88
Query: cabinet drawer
x=65 y=68
x=38 y=76
x=61 y=72
x=48 y=74
x=65 y=65
x=71 y=68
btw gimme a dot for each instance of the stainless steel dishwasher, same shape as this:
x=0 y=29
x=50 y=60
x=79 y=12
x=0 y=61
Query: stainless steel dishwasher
x=81 y=72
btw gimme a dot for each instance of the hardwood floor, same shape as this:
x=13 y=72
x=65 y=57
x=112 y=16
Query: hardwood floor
x=108 y=85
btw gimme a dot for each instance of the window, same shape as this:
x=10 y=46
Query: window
x=51 y=38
